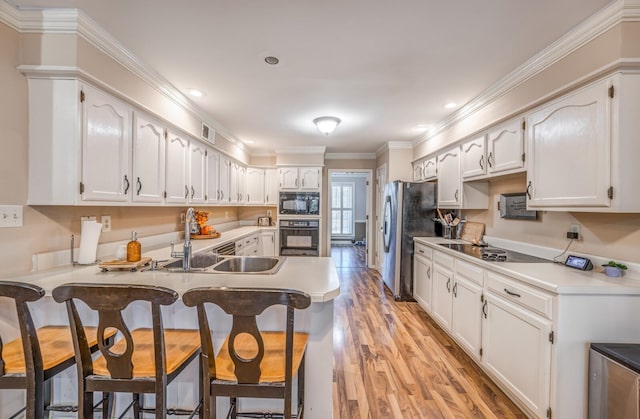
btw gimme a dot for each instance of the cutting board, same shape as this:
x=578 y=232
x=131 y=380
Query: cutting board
x=119 y=264
x=206 y=236
x=472 y=231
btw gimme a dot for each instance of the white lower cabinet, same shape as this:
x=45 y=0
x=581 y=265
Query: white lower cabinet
x=268 y=243
x=517 y=351
x=466 y=323
x=422 y=273
x=441 y=302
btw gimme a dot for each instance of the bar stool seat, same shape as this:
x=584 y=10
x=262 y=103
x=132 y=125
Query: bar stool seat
x=272 y=365
x=56 y=346
x=180 y=346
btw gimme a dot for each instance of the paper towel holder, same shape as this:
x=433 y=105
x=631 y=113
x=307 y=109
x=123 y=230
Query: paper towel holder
x=71 y=251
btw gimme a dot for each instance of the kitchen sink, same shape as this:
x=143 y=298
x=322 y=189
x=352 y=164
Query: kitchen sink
x=215 y=264
x=249 y=264
x=199 y=261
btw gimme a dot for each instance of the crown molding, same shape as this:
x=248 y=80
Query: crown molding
x=399 y=145
x=74 y=21
x=301 y=150
x=592 y=27
x=350 y=156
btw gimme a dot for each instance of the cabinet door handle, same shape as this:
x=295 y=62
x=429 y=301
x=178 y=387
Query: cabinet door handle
x=484 y=309
x=303 y=183
x=448 y=284
x=512 y=293
x=139 y=186
x=186 y=191
x=429 y=272
x=481 y=162
x=455 y=290
x=296 y=183
x=529 y=190
x=490 y=158
x=267 y=200
x=126 y=184
x=193 y=192
x=218 y=194
x=456 y=195
x=248 y=198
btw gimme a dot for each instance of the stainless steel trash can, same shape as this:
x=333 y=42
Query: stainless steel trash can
x=614 y=381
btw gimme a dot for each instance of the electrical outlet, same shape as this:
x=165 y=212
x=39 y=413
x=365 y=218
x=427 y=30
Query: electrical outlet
x=574 y=232
x=106 y=223
x=269 y=213
x=11 y=216
x=182 y=217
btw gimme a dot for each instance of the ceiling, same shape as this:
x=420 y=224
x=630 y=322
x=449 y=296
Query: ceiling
x=385 y=68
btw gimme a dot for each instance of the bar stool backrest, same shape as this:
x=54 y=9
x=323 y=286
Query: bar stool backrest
x=244 y=304
x=109 y=300
x=23 y=293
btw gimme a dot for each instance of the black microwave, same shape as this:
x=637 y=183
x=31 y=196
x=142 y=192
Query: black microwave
x=299 y=203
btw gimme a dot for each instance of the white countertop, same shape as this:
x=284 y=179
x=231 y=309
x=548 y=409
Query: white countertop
x=316 y=276
x=552 y=277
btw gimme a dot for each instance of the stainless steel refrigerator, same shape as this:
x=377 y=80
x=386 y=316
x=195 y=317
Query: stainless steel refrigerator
x=408 y=213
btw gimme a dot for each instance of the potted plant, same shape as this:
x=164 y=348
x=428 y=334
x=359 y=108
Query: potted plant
x=614 y=269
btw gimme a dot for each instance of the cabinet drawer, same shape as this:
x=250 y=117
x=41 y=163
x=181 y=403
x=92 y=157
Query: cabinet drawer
x=520 y=293
x=443 y=260
x=470 y=271
x=422 y=250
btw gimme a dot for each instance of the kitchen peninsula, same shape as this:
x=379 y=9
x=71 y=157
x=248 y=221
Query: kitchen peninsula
x=316 y=276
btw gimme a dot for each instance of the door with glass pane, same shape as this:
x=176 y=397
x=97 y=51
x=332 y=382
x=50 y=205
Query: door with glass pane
x=342 y=224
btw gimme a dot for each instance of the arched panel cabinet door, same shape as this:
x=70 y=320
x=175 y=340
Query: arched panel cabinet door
x=149 y=147
x=449 y=180
x=106 y=148
x=177 y=185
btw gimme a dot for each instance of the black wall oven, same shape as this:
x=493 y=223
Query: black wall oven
x=299 y=237
x=299 y=203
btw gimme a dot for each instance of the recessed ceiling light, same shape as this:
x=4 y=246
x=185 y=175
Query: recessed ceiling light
x=450 y=105
x=249 y=141
x=196 y=93
x=422 y=128
x=271 y=60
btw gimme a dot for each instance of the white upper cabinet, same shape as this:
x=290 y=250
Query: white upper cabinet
x=176 y=168
x=234 y=175
x=505 y=144
x=569 y=143
x=429 y=171
x=310 y=178
x=255 y=186
x=212 y=194
x=198 y=171
x=449 y=180
x=149 y=146
x=242 y=184
x=300 y=178
x=106 y=148
x=271 y=186
x=473 y=161
x=583 y=149
x=417 y=171
x=224 y=179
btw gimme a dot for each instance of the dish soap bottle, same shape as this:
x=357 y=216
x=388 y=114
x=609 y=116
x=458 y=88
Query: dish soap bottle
x=134 y=248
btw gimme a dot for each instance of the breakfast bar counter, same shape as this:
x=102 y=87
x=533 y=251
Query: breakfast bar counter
x=316 y=276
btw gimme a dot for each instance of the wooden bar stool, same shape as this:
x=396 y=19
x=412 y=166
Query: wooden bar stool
x=143 y=361
x=251 y=363
x=29 y=362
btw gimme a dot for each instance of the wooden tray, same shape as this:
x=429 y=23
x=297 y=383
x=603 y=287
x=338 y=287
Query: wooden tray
x=472 y=231
x=206 y=236
x=119 y=264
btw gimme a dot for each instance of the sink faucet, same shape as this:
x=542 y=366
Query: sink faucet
x=186 y=251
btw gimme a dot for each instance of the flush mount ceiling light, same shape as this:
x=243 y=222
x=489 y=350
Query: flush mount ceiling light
x=271 y=60
x=196 y=93
x=450 y=105
x=326 y=124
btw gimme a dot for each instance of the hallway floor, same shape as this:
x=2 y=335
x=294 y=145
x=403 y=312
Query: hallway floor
x=392 y=361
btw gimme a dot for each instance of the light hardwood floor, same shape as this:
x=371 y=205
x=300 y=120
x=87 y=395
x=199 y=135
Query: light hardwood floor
x=392 y=361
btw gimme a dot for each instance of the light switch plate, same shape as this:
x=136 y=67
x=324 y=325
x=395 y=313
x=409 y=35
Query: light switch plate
x=10 y=216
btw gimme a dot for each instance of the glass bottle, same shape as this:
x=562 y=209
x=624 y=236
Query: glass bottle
x=134 y=248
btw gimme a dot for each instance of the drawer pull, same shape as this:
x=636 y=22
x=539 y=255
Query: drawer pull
x=512 y=293
x=421 y=251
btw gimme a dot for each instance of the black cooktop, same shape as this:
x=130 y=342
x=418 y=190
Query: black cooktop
x=494 y=254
